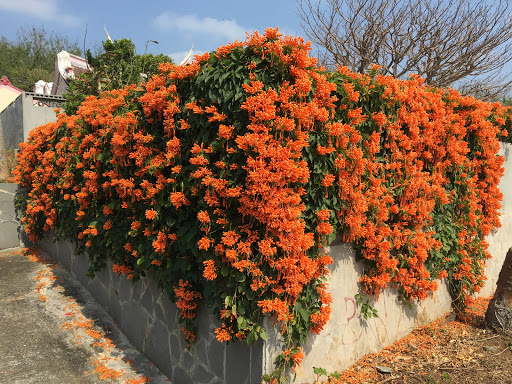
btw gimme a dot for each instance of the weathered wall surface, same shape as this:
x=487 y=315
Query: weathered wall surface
x=8 y=224
x=28 y=111
x=500 y=240
x=12 y=124
x=506 y=180
x=4 y=166
x=38 y=110
x=347 y=337
x=150 y=320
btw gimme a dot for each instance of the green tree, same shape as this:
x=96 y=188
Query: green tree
x=507 y=101
x=117 y=66
x=32 y=56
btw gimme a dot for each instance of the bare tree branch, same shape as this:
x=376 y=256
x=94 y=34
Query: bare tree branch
x=451 y=43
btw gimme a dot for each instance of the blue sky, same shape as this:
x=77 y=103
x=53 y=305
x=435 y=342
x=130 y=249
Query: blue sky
x=175 y=25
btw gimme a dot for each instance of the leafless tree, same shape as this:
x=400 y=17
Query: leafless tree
x=451 y=43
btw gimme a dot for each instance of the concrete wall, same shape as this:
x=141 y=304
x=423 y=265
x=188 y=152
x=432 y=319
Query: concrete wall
x=506 y=180
x=150 y=320
x=38 y=110
x=347 y=337
x=12 y=124
x=9 y=226
x=28 y=111
x=500 y=240
x=5 y=172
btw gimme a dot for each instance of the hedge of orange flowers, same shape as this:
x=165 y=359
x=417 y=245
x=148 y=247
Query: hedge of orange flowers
x=227 y=178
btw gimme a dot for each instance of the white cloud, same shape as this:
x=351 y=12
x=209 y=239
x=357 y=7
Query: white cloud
x=45 y=10
x=218 y=29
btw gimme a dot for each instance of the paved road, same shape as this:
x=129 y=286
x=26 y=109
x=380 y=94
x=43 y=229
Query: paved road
x=34 y=347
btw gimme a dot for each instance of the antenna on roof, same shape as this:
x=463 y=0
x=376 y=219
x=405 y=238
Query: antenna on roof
x=106 y=34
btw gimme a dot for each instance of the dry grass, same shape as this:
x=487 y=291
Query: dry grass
x=7 y=166
x=447 y=351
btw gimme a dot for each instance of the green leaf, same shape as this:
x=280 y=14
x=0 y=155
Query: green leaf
x=252 y=337
x=263 y=333
x=320 y=371
x=241 y=277
x=302 y=311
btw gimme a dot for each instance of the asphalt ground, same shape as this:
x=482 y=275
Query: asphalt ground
x=53 y=331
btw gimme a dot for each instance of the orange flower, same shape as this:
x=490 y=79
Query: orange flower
x=209 y=270
x=118 y=269
x=297 y=357
x=136 y=224
x=204 y=243
x=151 y=214
x=225 y=131
x=222 y=334
x=325 y=150
x=328 y=180
x=203 y=217
x=186 y=299
x=160 y=243
x=323 y=215
x=178 y=199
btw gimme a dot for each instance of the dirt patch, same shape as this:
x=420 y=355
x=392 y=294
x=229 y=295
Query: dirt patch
x=447 y=351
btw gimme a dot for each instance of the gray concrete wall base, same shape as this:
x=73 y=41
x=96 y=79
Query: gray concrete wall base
x=151 y=322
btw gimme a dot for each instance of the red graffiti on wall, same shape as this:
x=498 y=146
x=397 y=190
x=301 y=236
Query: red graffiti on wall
x=351 y=316
x=353 y=301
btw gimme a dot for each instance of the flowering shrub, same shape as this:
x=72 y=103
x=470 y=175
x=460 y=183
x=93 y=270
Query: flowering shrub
x=226 y=179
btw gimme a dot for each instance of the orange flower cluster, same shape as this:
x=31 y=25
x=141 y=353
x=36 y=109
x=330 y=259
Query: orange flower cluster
x=121 y=269
x=400 y=172
x=187 y=302
x=294 y=356
x=209 y=270
x=228 y=177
